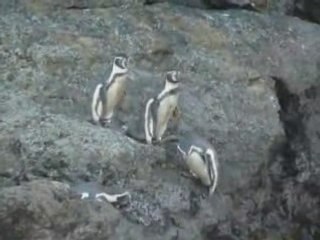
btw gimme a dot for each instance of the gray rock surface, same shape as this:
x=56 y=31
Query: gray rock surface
x=264 y=129
x=48 y=5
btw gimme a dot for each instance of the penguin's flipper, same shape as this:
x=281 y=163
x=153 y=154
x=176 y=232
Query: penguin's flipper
x=104 y=122
x=96 y=102
x=154 y=115
x=104 y=104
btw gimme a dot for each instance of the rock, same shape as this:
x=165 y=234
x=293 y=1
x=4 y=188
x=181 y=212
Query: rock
x=264 y=129
x=42 y=210
x=46 y=5
x=220 y=4
x=305 y=9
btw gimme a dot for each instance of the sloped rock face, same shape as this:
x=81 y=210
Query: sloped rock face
x=264 y=128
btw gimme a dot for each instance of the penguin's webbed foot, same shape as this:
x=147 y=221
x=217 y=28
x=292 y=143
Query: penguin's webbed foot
x=155 y=142
x=105 y=122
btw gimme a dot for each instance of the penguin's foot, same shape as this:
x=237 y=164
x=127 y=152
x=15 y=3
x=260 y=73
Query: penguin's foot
x=155 y=142
x=186 y=175
x=105 y=122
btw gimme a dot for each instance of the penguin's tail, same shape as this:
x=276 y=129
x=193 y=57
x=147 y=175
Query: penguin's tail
x=215 y=181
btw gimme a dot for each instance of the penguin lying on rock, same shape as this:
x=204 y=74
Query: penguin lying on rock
x=201 y=159
x=95 y=191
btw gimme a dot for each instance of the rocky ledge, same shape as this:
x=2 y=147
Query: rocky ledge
x=250 y=86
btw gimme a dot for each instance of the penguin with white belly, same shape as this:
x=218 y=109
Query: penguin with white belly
x=201 y=159
x=109 y=95
x=160 y=109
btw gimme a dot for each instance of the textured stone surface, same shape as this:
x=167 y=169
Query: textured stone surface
x=264 y=129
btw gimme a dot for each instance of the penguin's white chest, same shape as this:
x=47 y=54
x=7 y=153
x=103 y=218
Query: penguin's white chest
x=198 y=167
x=116 y=93
x=166 y=108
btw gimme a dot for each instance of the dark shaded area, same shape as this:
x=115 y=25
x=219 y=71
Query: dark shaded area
x=209 y=4
x=291 y=119
x=308 y=10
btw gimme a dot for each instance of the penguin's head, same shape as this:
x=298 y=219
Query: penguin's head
x=172 y=77
x=120 y=64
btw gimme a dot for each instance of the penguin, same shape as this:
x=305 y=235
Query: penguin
x=95 y=191
x=160 y=109
x=201 y=159
x=108 y=95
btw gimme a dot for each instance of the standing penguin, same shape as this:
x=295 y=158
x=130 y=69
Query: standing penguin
x=108 y=95
x=160 y=109
x=201 y=160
